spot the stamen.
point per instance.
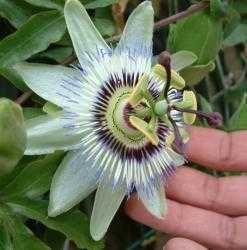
(188, 102)
(146, 128)
(176, 80)
(139, 91)
(213, 119)
(165, 73)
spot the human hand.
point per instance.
(202, 208)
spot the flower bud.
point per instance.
(12, 135)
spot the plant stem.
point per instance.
(24, 97)
(191, 10)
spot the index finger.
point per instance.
(201, 225)
(217, 149)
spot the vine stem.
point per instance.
(24, 97)
(171, 19)
(191, 10)
(157, 25)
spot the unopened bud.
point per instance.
(214, 119)
(12, 135)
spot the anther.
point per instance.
(164, 72)
(188, 102)
(139, 91)
(145, 128)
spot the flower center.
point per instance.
(117, 118)
(112, 126)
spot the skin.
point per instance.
(204, 212)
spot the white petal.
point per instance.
(107, 202)
(57, 84)
(136, 41)
(74, 180)
(88, 43)
(155, 201)
(175, 159)
(47, 133)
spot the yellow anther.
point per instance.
(176, 80)
(189, 97)
(145, 129)
(138, 92)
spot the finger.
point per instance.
(206, 227)
(225, 195)
(183, 244)
(217, 149)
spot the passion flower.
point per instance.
(122, 120)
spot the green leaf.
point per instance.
(218, 8)
(50, 4)
(17, 12)
(182, 59)
(35, 179)
(13, 135)
(75, 225)
(236, 92)
(240, 6)
(231, 21)
(194, 74)
(238, 35)
(200, 34)
(105, 26)
(57, 54)
(6, 179)
(205, 105)
(18, 236)
(11, 74)
(5, 243)
(239, 119)
(94, 4)
(34, 36)
(24, 242)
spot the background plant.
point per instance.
(34, 30)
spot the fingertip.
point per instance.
(129, 206)
(135, 209)
(183, 244)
